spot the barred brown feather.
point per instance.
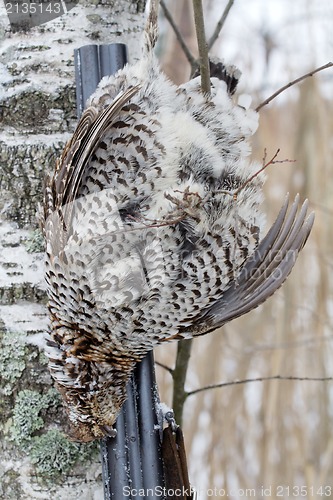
(145, 241)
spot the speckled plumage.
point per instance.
(145, 242)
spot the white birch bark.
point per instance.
(37, 116)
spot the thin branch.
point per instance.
(191, 59)
(202, 46)
(165, 367)
(179, 377)
(220, 24)
(266, 164)
(290, 84)
(258, 379)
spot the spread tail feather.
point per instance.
(265, 271)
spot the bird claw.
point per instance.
(170, 419)
(109, 431)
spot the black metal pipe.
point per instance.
(133, 458)
(92, 63)
(150, 423)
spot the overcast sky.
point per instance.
(298, 33)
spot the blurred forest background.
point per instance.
(275, 432)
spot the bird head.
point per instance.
(92, 415)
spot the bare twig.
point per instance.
(191, 59)
(266, 164)
(290, 84)
(165, 367)
(258, 379)
(202, 46)
(220, 24)
(151, 223)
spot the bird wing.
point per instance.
(61, 189)
(79, 149)
(264, 271)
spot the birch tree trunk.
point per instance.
(37, 116)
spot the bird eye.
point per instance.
(108, 431)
